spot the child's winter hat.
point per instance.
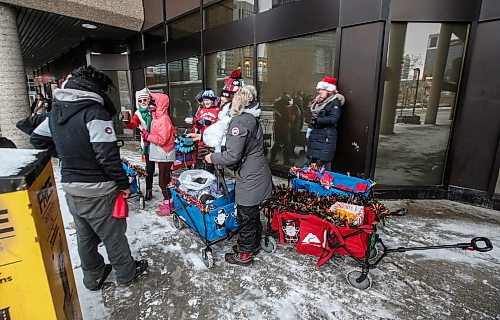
(232, 84)
(208, 94)
(328, 84)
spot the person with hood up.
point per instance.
(322, 132)
(142, 120)
(161, 147)
(92, 175)
(244, 153)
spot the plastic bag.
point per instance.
(196, 179)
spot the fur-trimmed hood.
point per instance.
(244, 99)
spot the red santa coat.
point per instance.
(211, 114)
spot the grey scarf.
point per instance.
(319, 104)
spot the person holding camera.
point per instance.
(322, 131)
(243, 152)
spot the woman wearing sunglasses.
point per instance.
(142, 120)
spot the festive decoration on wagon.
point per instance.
(190, 200)
(287, 199)
(139, 170)
(327, 180)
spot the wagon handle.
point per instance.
(487, 244)
(472, 246)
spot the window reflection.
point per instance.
(424, 63)
(154, 37)
(184, 26)
(265, 5)
(156, 77)
(174, 8)
(219, 66)
(185, 83)
(120, 95)
(288, 71)
(227, 11)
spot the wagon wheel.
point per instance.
(270, 247)
(373, 254)
(207, 257)
(358, 280)
(177, 221)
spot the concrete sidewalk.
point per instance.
(433, 284)
(438, 284)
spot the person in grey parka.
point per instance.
(244, 153)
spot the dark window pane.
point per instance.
(219, 66)
(156, 77)
(175, 8)
(154, 37)
(120, 95)
(425, 61)
(184, 26)
(288, 71)
(227, 11)
(185, 83)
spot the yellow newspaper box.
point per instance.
(36, 277)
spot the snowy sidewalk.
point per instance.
(435, 284)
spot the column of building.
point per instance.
(14, 103)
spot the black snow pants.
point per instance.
(249, 236)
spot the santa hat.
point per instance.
(208, 94)
(328, 84)
(232, 84)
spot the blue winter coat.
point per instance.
(322, 140)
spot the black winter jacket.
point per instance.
(82, 131)
(322, 141)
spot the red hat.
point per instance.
(328, 84)
(232, 84)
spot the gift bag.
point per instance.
(313, 236)
(121, 207)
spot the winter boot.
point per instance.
(149, 194)
(244, 259)
(140, 267)
(100, 282)
(164, 208)
(255, 252)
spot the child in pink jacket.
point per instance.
(161, 147)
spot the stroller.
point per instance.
(213, 221)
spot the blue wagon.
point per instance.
(214, 223)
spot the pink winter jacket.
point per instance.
(162, 131)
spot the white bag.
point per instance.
(187, 179)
